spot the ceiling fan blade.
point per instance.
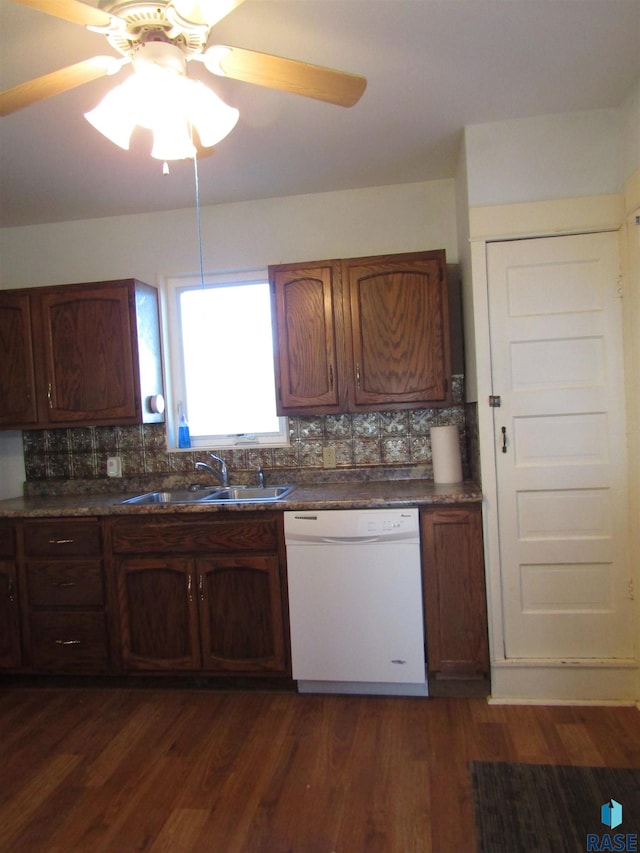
(205, 12)
(289, 75)
(70, 10)
(56, 82)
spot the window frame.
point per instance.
(173, 286)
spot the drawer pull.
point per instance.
(12, 590)
(63, 584)
(60, 541)
(68, 642)
(201, 587)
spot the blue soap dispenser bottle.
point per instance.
(184, 437)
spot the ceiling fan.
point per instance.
(158, 39)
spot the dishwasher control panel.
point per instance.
(352, 525)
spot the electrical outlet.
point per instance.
(329, 457)
(114, 466)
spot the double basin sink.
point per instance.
(228, 494)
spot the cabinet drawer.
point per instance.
(69, 642)
(195, 536)
(59, 538)
(63, 582)
(7, 542)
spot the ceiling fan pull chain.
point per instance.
(195, 169)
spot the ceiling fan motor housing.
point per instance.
(135, 23)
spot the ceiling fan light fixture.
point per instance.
(168, 103)
(113, 118)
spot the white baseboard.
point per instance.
(558, 682)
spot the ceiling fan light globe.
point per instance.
(172, 141)
(211, 117)
(113, 117)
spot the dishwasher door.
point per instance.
(355, 601)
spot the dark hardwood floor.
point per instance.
(123, 770)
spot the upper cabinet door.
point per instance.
(399, 329)
(306, 299)
(17, 383)
(88, 347)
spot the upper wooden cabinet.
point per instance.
(17, 374)
(309, 337)
(79, 355)
(362, 334)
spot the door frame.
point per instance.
(534, 680)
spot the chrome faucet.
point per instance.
(260, 477)
(221, 473)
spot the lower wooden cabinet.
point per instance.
(454, 592)
(10, 642)
(203, 594)
(65, 603)
(210, 599)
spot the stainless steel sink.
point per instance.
(230, 494)
(249, 493)
(177, 496)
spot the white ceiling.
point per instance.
(433, 66)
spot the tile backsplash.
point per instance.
(366, 440)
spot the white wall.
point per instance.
(631, 132)
(377, 220)
(547, 157)
(408, 217)
(11, 465)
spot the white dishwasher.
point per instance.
(355, 601)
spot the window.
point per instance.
(221, 360)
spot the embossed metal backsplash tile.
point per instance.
(366, 439)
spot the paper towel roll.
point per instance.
(445, 451)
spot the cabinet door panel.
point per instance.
(17, 377)
(241, 614)
(307, 360)
(454, 592)
(400, 330)
(159, 622)
(88, 353)
(10, 647)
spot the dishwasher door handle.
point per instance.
(348, 540)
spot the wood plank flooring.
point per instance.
(122, 770)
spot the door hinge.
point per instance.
(495, 401)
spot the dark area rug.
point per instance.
(549, 809)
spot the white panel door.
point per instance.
(557, 364)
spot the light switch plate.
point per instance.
(114, 466)
(329, 457)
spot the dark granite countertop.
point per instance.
(374, 494)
